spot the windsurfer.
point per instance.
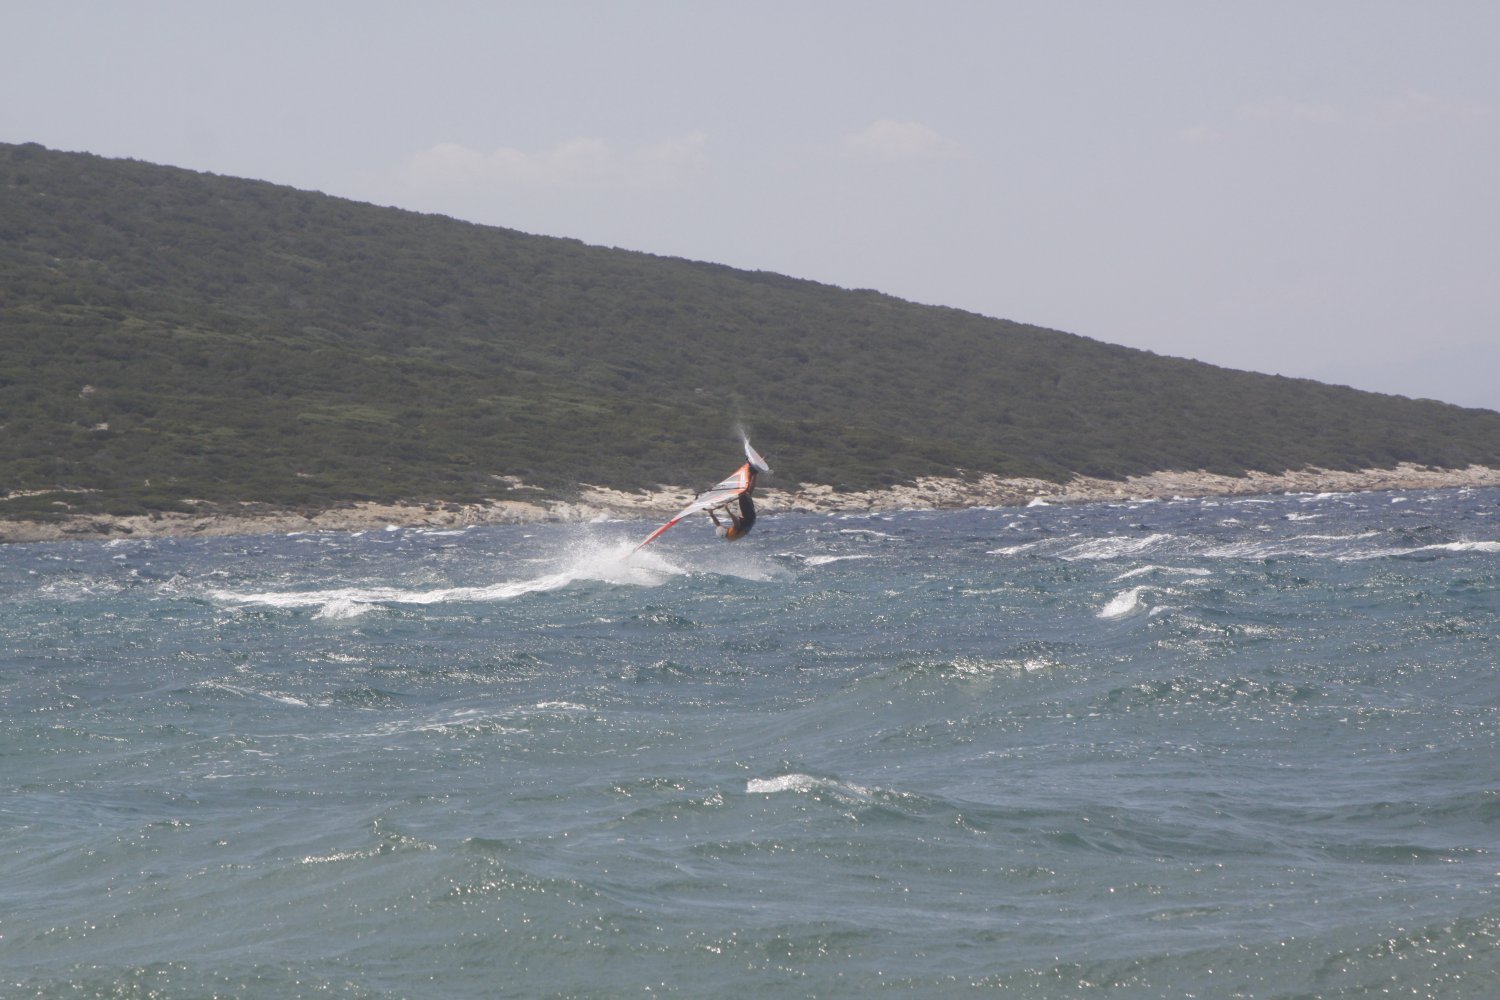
(730, 493)
(739, 524)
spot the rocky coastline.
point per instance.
(600, 503)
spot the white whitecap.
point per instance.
(1011, 550)
(784, 783)
(1131, 574)
(559, 706)
(804, 783)
(343, 607)
(285, 699)
(1493, 547)
(825, 560)
(1297, 546)
(615, 565)
(1113, 547)
(1128, 602)
(970, 667)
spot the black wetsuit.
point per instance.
(746, 520)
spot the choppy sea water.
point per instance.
(1207, 748)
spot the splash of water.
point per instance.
(586, 561)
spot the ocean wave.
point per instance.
(967, 666)
(350, 602)
(826, 560)
(1209, 691)
(1012, 550)
(1114, 547)
(674, 807)
(803, 784)
(869, 806)
(1311, 546)
(615, 565)
(1428, 551)
(933, 674)
(977, 666)
(1128, 602)
(1131, 574)
(247, 692)
(387, 841)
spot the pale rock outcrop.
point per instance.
(602, 503)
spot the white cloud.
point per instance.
(1409, 109)
(897, 140)
(1200, 134)
(1265, 114)
(1288, 111)
(583, 162)
(1415, 106)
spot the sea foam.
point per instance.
(1113, 547)
(1125, 602)
(615, 565)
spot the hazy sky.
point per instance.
(1308, 188)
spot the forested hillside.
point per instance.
(168, 335)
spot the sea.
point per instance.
(1217, 748)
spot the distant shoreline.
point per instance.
(594, 503)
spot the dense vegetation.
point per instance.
(168, 335)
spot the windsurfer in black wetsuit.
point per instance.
(739, 524)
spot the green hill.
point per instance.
(168, 335)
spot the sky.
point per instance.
(1300, 187)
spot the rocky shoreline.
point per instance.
(600, 503)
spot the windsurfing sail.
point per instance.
(722, 494)
(753, 457)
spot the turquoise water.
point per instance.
(1207, 748)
